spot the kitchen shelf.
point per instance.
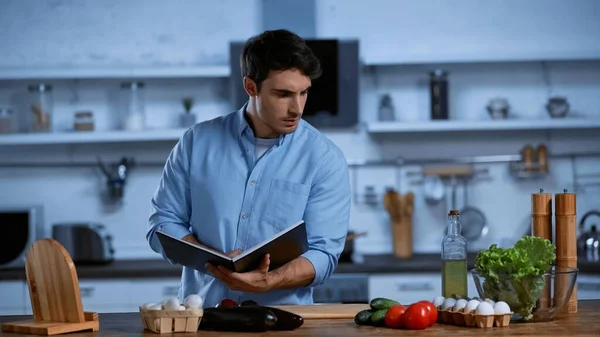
(382, 60)
(113, 72)
(91, 137)
(489, 125)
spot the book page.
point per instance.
(206, 249)
(257, 246)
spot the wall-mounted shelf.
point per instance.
(113, 72)
(475, 126)
(436, 58)
(91, 137)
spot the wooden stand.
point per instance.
(54, 292)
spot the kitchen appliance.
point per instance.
(346, 256)
(588, 242)
(87, 243)
(25, 225)
(333, 98)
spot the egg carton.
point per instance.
(168, 321)
(470, 319)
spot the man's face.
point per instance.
(280, 102)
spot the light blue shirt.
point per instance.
(214, 186)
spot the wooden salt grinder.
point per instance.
(54, 292)
(566, 246)
(541, 226)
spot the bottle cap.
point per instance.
(453, 212)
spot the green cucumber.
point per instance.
(378, 317)
(382, 303)
(363, 317)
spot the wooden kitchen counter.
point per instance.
(585, 323)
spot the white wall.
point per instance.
(190, 33)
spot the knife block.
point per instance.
(54, 292)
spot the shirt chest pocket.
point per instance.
(286, 203)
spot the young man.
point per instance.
(236, 180)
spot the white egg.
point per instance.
(485, 309)
(501, 307)
(448, 303)
(460, 304)
(148, 305)
(171, 303)
(157, 306)
(182, 307)
(438, 301)
(193, 301)
(490, 301)
(471, 305)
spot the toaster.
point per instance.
(87, 243)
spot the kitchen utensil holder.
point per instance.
(49, 266)
(167, 321)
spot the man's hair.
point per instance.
(277, 50)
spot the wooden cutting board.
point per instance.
(323, 311)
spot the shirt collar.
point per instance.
(242, 125)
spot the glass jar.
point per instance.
(438, 91)
(84, 121)
(132, 106)
(6, 121)
(40, 106)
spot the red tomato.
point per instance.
(394, 316)
(227, 303)
(432, 310)
(416, 316)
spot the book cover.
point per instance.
(282, 248)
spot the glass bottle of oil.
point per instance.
(454, 259)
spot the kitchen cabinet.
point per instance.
(588, 287)
(153, 290)
(408, 288)
(465, 31)
(100, 296)
(405, 288)
(13, 297)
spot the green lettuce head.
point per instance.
(516, 275)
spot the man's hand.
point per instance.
(257, 281)
(191, 239)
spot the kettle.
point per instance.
(588, 243)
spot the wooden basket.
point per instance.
(166, 321)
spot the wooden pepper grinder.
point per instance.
(541, 226)
(542, 158)
(566, 246)
(528, 158)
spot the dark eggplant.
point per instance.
(240, 319)
(248, 302)
(286, 320)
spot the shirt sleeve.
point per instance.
(170, 203)
(327, 216)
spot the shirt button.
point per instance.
(244, 216)
(251, 182)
